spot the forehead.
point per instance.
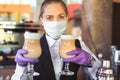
(53, 9)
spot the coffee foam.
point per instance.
(67, 37)
(31, 35)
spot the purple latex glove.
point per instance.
(23, 61)
(82, 57)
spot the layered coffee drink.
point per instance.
(32, 45)
(67, 44)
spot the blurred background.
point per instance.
(96, 22)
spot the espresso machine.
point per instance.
(10, 42)
(12, 39)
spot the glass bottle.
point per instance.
(109, 74)
(113, 49)
(101, 75)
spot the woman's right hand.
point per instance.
(23, 61)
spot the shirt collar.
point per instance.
(50, 41)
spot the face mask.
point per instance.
(55, 28)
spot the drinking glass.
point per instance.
(67, 44)
(32, 45)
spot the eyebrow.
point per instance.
(59, 14)
(62, 14)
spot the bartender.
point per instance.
(54, 16)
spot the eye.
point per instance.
(49, 18)
(62, 17)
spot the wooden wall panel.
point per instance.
(116, 25)
(97, 25)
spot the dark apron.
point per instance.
(45, 65)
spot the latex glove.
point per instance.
(23, 61)
(81, 57)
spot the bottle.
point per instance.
(113, 49)
(109, 74)
(101, 73)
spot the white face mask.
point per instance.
(55, 28)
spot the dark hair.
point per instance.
(47, 2)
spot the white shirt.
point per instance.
(54, 52)
(57, 61)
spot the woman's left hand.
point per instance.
(81, 57)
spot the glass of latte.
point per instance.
(32, 45)
(67, 44)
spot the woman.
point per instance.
(53, 14)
